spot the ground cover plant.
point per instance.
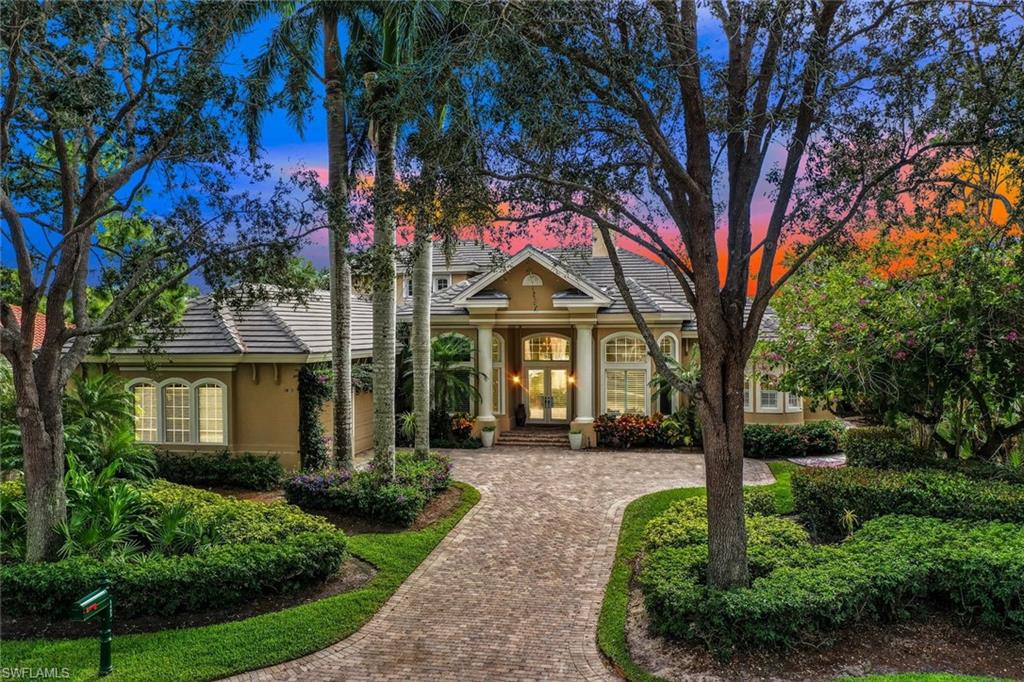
(369, 493)
(216, 651)
(254, 472)
(169, 548)
(825, 497)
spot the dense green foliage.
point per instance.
(884, 448)
(824, 497)
(777, 441)
(315, 389)
(202, 550)
(217, 651)
(255, 472)
(802, 592)
(369, 493)
(938, 344)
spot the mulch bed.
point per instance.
(934, 643)
(353, 574)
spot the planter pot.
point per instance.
(487, 437)
(575, 441)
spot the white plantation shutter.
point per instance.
(210, 400)
(146, 424)
(616, 391)
(636, 383)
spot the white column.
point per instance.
(584, 373)
(484, 364)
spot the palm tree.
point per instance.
(452, 372)
(290, 53)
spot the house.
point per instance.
(561, 344)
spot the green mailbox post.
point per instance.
(99, 603)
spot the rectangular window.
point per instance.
(625, 391)
(440, 283)
(144, 397)
(210, 399)
(408, 286)
(497, 383)
(177, 414)
(794, 403)
(748, 396)
(769, 401)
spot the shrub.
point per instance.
(802, 592)
(882, 448)
(259, 549)
(767, 441)
(685, 523)
(368, 494)
(823, 496)
(462, 426)
(253, 472)
(628, 430)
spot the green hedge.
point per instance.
(368, 494)
(824, 496)
(779, 441)
(802, 593)
(260, 549)
(255, 472)
(883, 448)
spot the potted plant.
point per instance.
(575, 439)
(487, 435)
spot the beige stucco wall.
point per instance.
(263, 407)
(362, 420)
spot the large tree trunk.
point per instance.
(384, 196)
(721, 413)
(340, 275)
(42, 442)
(421, 290)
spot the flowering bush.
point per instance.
(369, 494)
(462, 426)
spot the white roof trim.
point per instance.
(532, 252)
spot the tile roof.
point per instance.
(38, 325)
(467, 256)
(267, 327)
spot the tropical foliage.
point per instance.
(939, 345)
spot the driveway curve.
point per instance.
(513, 592)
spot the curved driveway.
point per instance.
(513, 592)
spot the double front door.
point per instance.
(548, 394)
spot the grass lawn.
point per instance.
(611, 624)
(217, 650)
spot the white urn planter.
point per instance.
(576, 440)
(487, 437)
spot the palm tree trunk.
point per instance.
(341, 275)
(421, 290)
(384, 201)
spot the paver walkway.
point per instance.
(513, 592)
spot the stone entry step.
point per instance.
(544, 436)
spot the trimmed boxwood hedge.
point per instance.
(802, 593)
(779, 441)
(262, 549)
(883, 448)
(254, 472)
(823, 496)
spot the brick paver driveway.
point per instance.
(514, 591)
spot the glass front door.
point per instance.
(548, 394)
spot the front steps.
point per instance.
(535, 436)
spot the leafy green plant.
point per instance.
(254, 472)
(105, 515)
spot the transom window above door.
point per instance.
(546, 349)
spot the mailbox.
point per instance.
(99, 603)
(91, 605)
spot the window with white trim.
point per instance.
(626, 374)
(794, 403)
(498, 374)
(768, 399)
(667, 398)
(144, 397)
(546, 349)
(441, 283)
(748, 395)
(408, 286)
(177, 408)
(210, 409)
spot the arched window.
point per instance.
(177, 402)
(625, 374)
(532, 280)
(668, 399)
(498, 372)
(211, 412)
(146, 413)
(546, 349)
